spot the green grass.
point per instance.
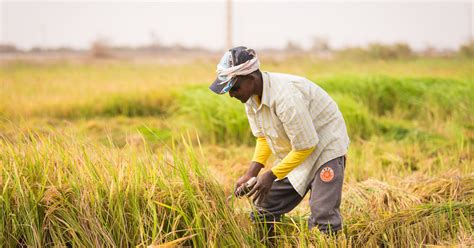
(376, 106)
(127, 154)
(427, 99)
(131, 105)
(217, 117)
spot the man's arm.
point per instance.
(260, 157)
(291, 161)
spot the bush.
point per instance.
(467, 49)
(395, 51)
(378, 51)
(8, 48)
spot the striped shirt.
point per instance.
(296, 114)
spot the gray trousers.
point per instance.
(325, 198)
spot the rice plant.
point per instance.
(119, 154)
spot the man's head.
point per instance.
(246, 86)
(238, 73)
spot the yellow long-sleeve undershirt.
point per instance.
(291, 161)
(262, 151)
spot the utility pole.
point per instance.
(229, 25)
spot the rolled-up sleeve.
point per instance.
(297, 122)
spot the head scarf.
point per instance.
(245, 68)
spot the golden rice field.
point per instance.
(115, 153)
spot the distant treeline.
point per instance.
(319, 48)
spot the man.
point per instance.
(301, 125)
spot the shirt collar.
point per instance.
(265, 93)
(266, 89)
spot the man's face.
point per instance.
(242, 89)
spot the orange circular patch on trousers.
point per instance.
(326, 175)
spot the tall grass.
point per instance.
(88, 159)
(57, 191)
(427, 99)
(389, 212)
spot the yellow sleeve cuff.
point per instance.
(262, 151)
(291, 161)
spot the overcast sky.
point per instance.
(261, 24)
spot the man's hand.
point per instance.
(253, 171)
(263, 185)
(243, 179)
